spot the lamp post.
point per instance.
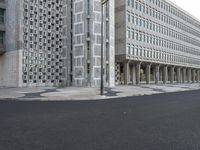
(103, 2)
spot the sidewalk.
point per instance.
(76, 93)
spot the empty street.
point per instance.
(158, 122)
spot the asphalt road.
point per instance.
(158, 122)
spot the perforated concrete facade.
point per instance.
(42, 42)
(33, 43)
(57, 42)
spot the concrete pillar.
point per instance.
(157, 74)
(126, 72)
(178, 75)
(133, 75)
(138, 66)
(184, 75)
(193, 76)
(148, 73)
(189, 75)
(172, 75)
(153, 73)
(181, 76)
(161, 73)
(165, 74)
(198, 78)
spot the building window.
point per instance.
(1, 37)
(2, 16)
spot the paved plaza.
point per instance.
(75, 93)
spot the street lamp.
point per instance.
(103, 2)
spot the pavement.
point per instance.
(78, 93)
(168, 121)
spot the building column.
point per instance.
(178, 75)
(138, 66)
(157, 74)
(165, 74)
(198, 78)
(161, 74)
(189, 75)
(126, 73)
(148, 73)
(184, 75)
(133, 74)
(193, 76)
(153, 74)
(172, 75)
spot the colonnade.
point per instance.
(152, 73)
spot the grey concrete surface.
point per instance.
(167, 121)
(75, 93)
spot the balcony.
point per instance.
(2, 49)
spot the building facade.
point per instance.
(156, 42)
(58, 43)
(2, 26)
(33, 43)
(83, 43)
(55, 43)
(2, 34)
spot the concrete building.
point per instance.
(58, 43)
(156, 42)
(31, 35)
(83, 43)
(55, 42)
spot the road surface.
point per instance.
(158, 122)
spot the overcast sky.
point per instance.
(191, 6)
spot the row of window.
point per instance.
(164, 6)
(43, 25)
(147, 53)
(45, 81)
(54, 4)
(165, 18)
(42, 69)
(32, 38)
(43, 12)
(151, 25)
(2, 11)
(42, 63)
(159, 41)
(42, 46)
(42, 40)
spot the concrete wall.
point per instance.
(112, 47)
(120, 27)
(11, 61)
(85, 49)
(11, 69)
(12, 20)
(66, 42)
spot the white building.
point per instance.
(156, 42)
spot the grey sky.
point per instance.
(191, 6)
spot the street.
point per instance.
(158, 122)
